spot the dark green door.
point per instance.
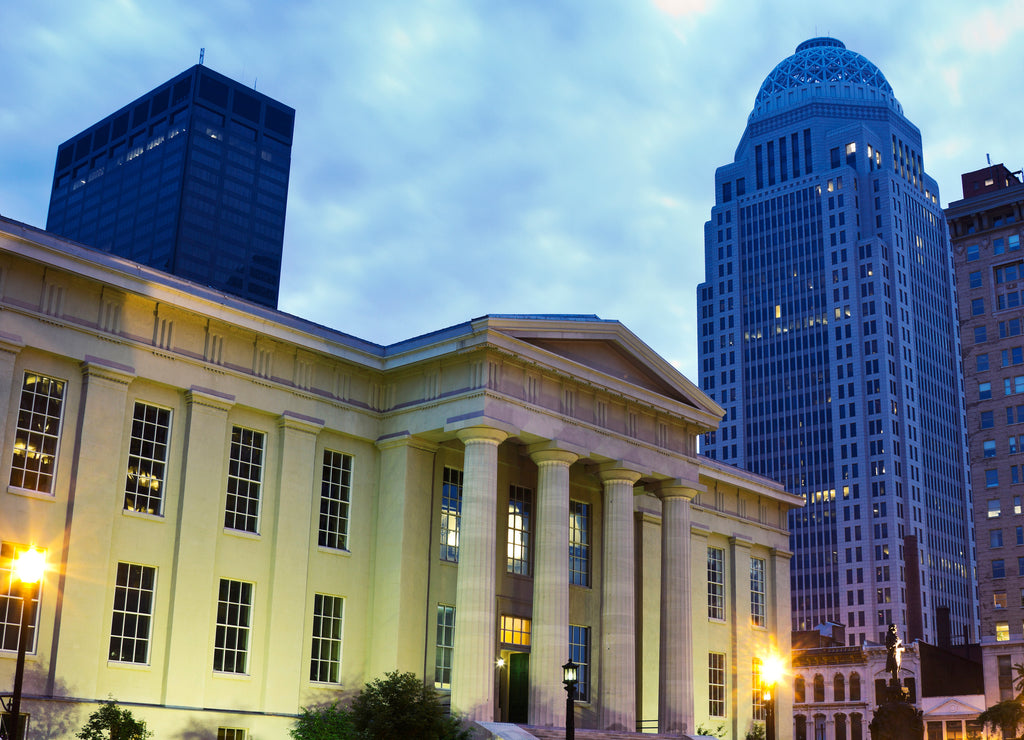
(519, 687)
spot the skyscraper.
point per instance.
(986, 230)
(191, 178)
(828, 334)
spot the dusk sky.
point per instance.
(453, 159)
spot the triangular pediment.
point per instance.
(609, 350)
(954, 706)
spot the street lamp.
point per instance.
(27, 571)
(570, 679)
(771, 672)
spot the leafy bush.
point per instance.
(328, 722)
(110, 722)
(400, 705)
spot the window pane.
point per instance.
(147, 459)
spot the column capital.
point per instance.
(290, 421)
(101, 369)
(678, 488)
(196, 396)
(618, 471)
(405, 439)
(552, 452)
(738, 540)
(485, 434)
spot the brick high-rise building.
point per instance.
(986, 230)
(191, 178)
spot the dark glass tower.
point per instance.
(829, 336)
(191, 178)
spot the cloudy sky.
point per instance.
(454, 158)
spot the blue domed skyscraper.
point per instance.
(828, 335)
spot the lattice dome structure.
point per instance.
(816, 63)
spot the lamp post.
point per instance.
(570, 679)
(27, 571)
(771, 672)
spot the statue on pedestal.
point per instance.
(894, 659)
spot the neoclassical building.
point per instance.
(245, 513)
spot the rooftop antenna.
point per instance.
(989, 158)
(202, 54)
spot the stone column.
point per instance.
(475, 606)
(675, 688)
(617, 686)
(550, 639)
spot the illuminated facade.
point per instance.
(828, 334)
(191, 178)
(246, 513)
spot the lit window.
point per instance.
(245, 476)
(716, 583)
(1016, 504)
(716, 684)
(757, 593)
(10, 602)
(37, 433)
(579, 543)
(757, 691)
(999, 600)
(579, 653)
(515, 630)
(234, 620)
(520, 524)
(993, 508)
(230, 733)
(1002, 631)
(451, 513)
(147, 459)
(325, 657)
(335, 496)
(444, 648)
(133, 613)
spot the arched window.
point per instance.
(855, 687)
(856, 732)
(800, 731)
(819, 688)
(839, 688)
(840, 721)
(799, 691)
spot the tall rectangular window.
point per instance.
(10, 602)
(444, 647)
(579, 543)
(716, 583)
(335, 495)
(325, 656)
(234, 620)
(245, 477)
(451, 514)
(133, 613)
(37, 434)
(579, 653)
(147, 459)
(757, 688)
(716, 684)
(758, 602)
(520, 526)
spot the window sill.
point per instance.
(334, 551)
(241, 533)
(232, 676)
(142, 515)
(29, 493)
(124, 664)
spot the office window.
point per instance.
(980, 334)
(325, 657)
(520, 529)
(515, 630)
(133, 612)
(995, 538)
(444, 646)
(984, 391)
(991, 478)
(999, 568)
(579, 652)
(994, 508)
(975, 279)
(757, 689)
(147, 459)
(335, 496)
(987, 420)
(758, 601)
(245, 476)
(716, 583)
(579, 543)
(999, 600)
(1002, 631)
(973, 252)
(981, 362)
(451, 513)
(37, 433)
(716, 684)
(989, 448)
(230, 733)
(10, 602)
(234, 620)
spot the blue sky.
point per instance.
(457, 158)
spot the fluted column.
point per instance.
(617, 687)
(475, 608)
(675, 688)
(550, 639)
